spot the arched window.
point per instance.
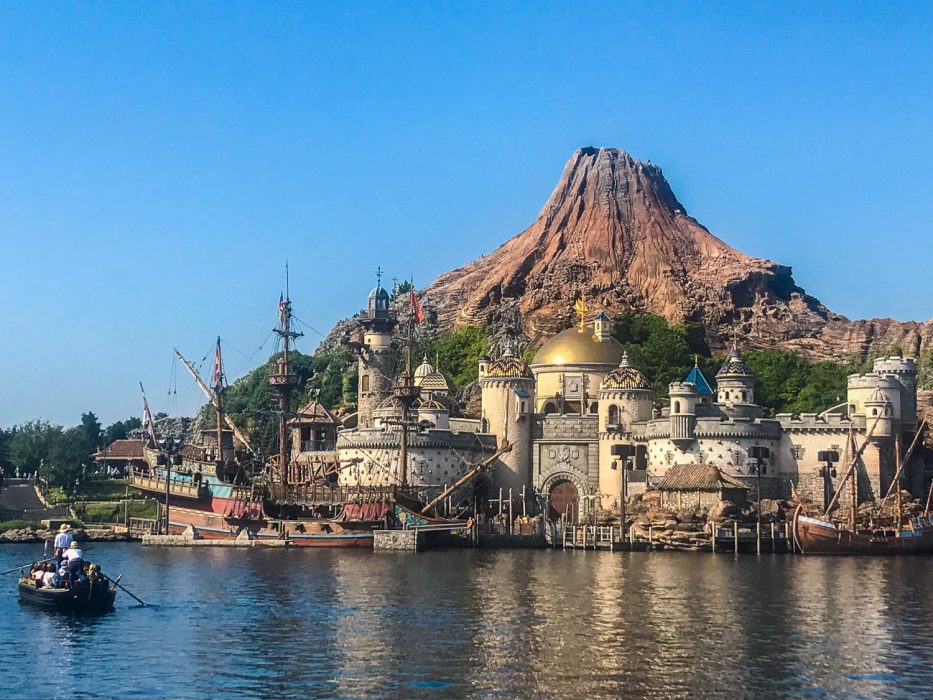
(594, 407)
(887, 410)
(613, 415)
(874, 411)
(364, 383)
(727, 396)
(549, 407)
(484, 426)
(743, 396)
(677, 405)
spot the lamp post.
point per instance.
(759, 454)
(624, 453)
(828, 472)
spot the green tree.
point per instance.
(332, 377)
(32, 444)
(663, 352)
(90, 426)
(457, 352)
(120, 429)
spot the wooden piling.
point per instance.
(714, 538)
(735, 535)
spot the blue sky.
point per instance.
(161, 160)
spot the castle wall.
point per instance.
(567, 448)
(435, 457)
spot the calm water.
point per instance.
(302, 624)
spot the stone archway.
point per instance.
(565, 494)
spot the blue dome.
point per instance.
(379, 293)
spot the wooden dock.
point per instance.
(732, 537)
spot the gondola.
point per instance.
(88, 597)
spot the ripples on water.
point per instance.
(302, 624)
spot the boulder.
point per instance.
(724, 510)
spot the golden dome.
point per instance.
(576, 346)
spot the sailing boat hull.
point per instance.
(301, 533)
(814, 536)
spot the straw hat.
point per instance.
(73, 545)
(64, 528)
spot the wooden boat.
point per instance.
(90, 596)
(817, 536)
(820, 536)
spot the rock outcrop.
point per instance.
(614, 231)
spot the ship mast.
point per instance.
(213, 399)
(218, 380)
(282, 380)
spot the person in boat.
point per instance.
(36, 574)
(50, 578)
(73, 561)
(63, 540)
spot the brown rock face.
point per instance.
(614, 231)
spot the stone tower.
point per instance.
(378, 355)
(508, 395)
(735, 383)
(624, 398)
(904, 370)
(683, 415)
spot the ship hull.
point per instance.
(301, 533)
(814, 536)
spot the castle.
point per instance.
(585, 426)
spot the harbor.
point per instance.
(481, 621)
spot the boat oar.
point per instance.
(23, 566)
(130, 593)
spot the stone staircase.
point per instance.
(19, 501)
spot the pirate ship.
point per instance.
(224, 488)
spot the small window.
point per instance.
(874, 411)
(677, 407)
(364, 382)
(727, 396)
(613, 415)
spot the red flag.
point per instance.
(416, 309)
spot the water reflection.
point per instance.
(464, 623)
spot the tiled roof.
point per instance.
(699, 381)
(313, 412)
(509, 366)
(698, 477)
(734, 365)
(123, 449)
(625, 377)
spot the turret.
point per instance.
(378, 356)
(879, 412)
(904, 370)
(735, 383)
(683, 413)
(602, 327)
(484, 365)
(508, 395)
(624, 398)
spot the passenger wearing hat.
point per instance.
(63, 540)
(73, 560)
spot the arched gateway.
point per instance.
(563, 500)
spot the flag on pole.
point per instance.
(218, 373)
(148, 423)
(416, 309)
(283, 310)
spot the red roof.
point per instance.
(122, 449)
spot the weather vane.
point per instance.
(580, 308)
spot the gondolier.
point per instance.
(63, 541)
